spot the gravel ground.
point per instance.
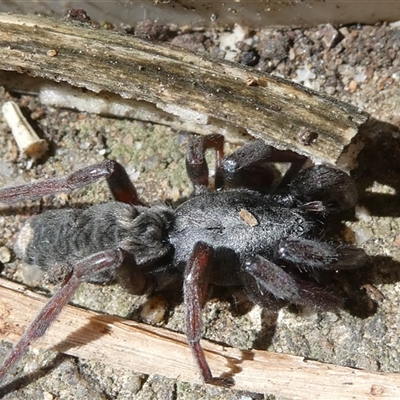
(358, 64)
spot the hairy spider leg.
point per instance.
(248, 166)
(264, 278)
(324, 185)
(139, 281)
(195, 291)
(196, 164)
(308, 254)
(83, 270)
(118, 181)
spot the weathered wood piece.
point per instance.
(150, 350)
(194, 88)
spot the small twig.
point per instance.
(142, 348)
(27, 140)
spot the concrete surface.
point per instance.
(360, 66)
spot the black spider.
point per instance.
(240, 237)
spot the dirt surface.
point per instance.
(358, 64)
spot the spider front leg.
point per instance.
(83, 270)
(249, 166)
(309, 254)
(196, 164)
(196, 284)
(118, 181)
(331, 187)
(263, 278)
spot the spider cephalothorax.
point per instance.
(244, 236)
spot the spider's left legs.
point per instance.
(83, 270)
(196, 284)
(118, 181)
(246, 167)
(249, 166)
(196, 164)
(325, 187)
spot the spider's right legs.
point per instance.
(118, 181)
(195, 290)
(263, 278)
(309, 254)
(83, 270)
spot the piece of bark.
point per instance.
(195, 88)
(63, 95)
(142, 348)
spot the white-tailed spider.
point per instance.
(237, 235)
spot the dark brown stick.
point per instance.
(197, 89)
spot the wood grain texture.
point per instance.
(150, 350)
(194, 88)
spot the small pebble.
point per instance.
(153, 310)
(5, 255)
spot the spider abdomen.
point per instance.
(61, 236)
